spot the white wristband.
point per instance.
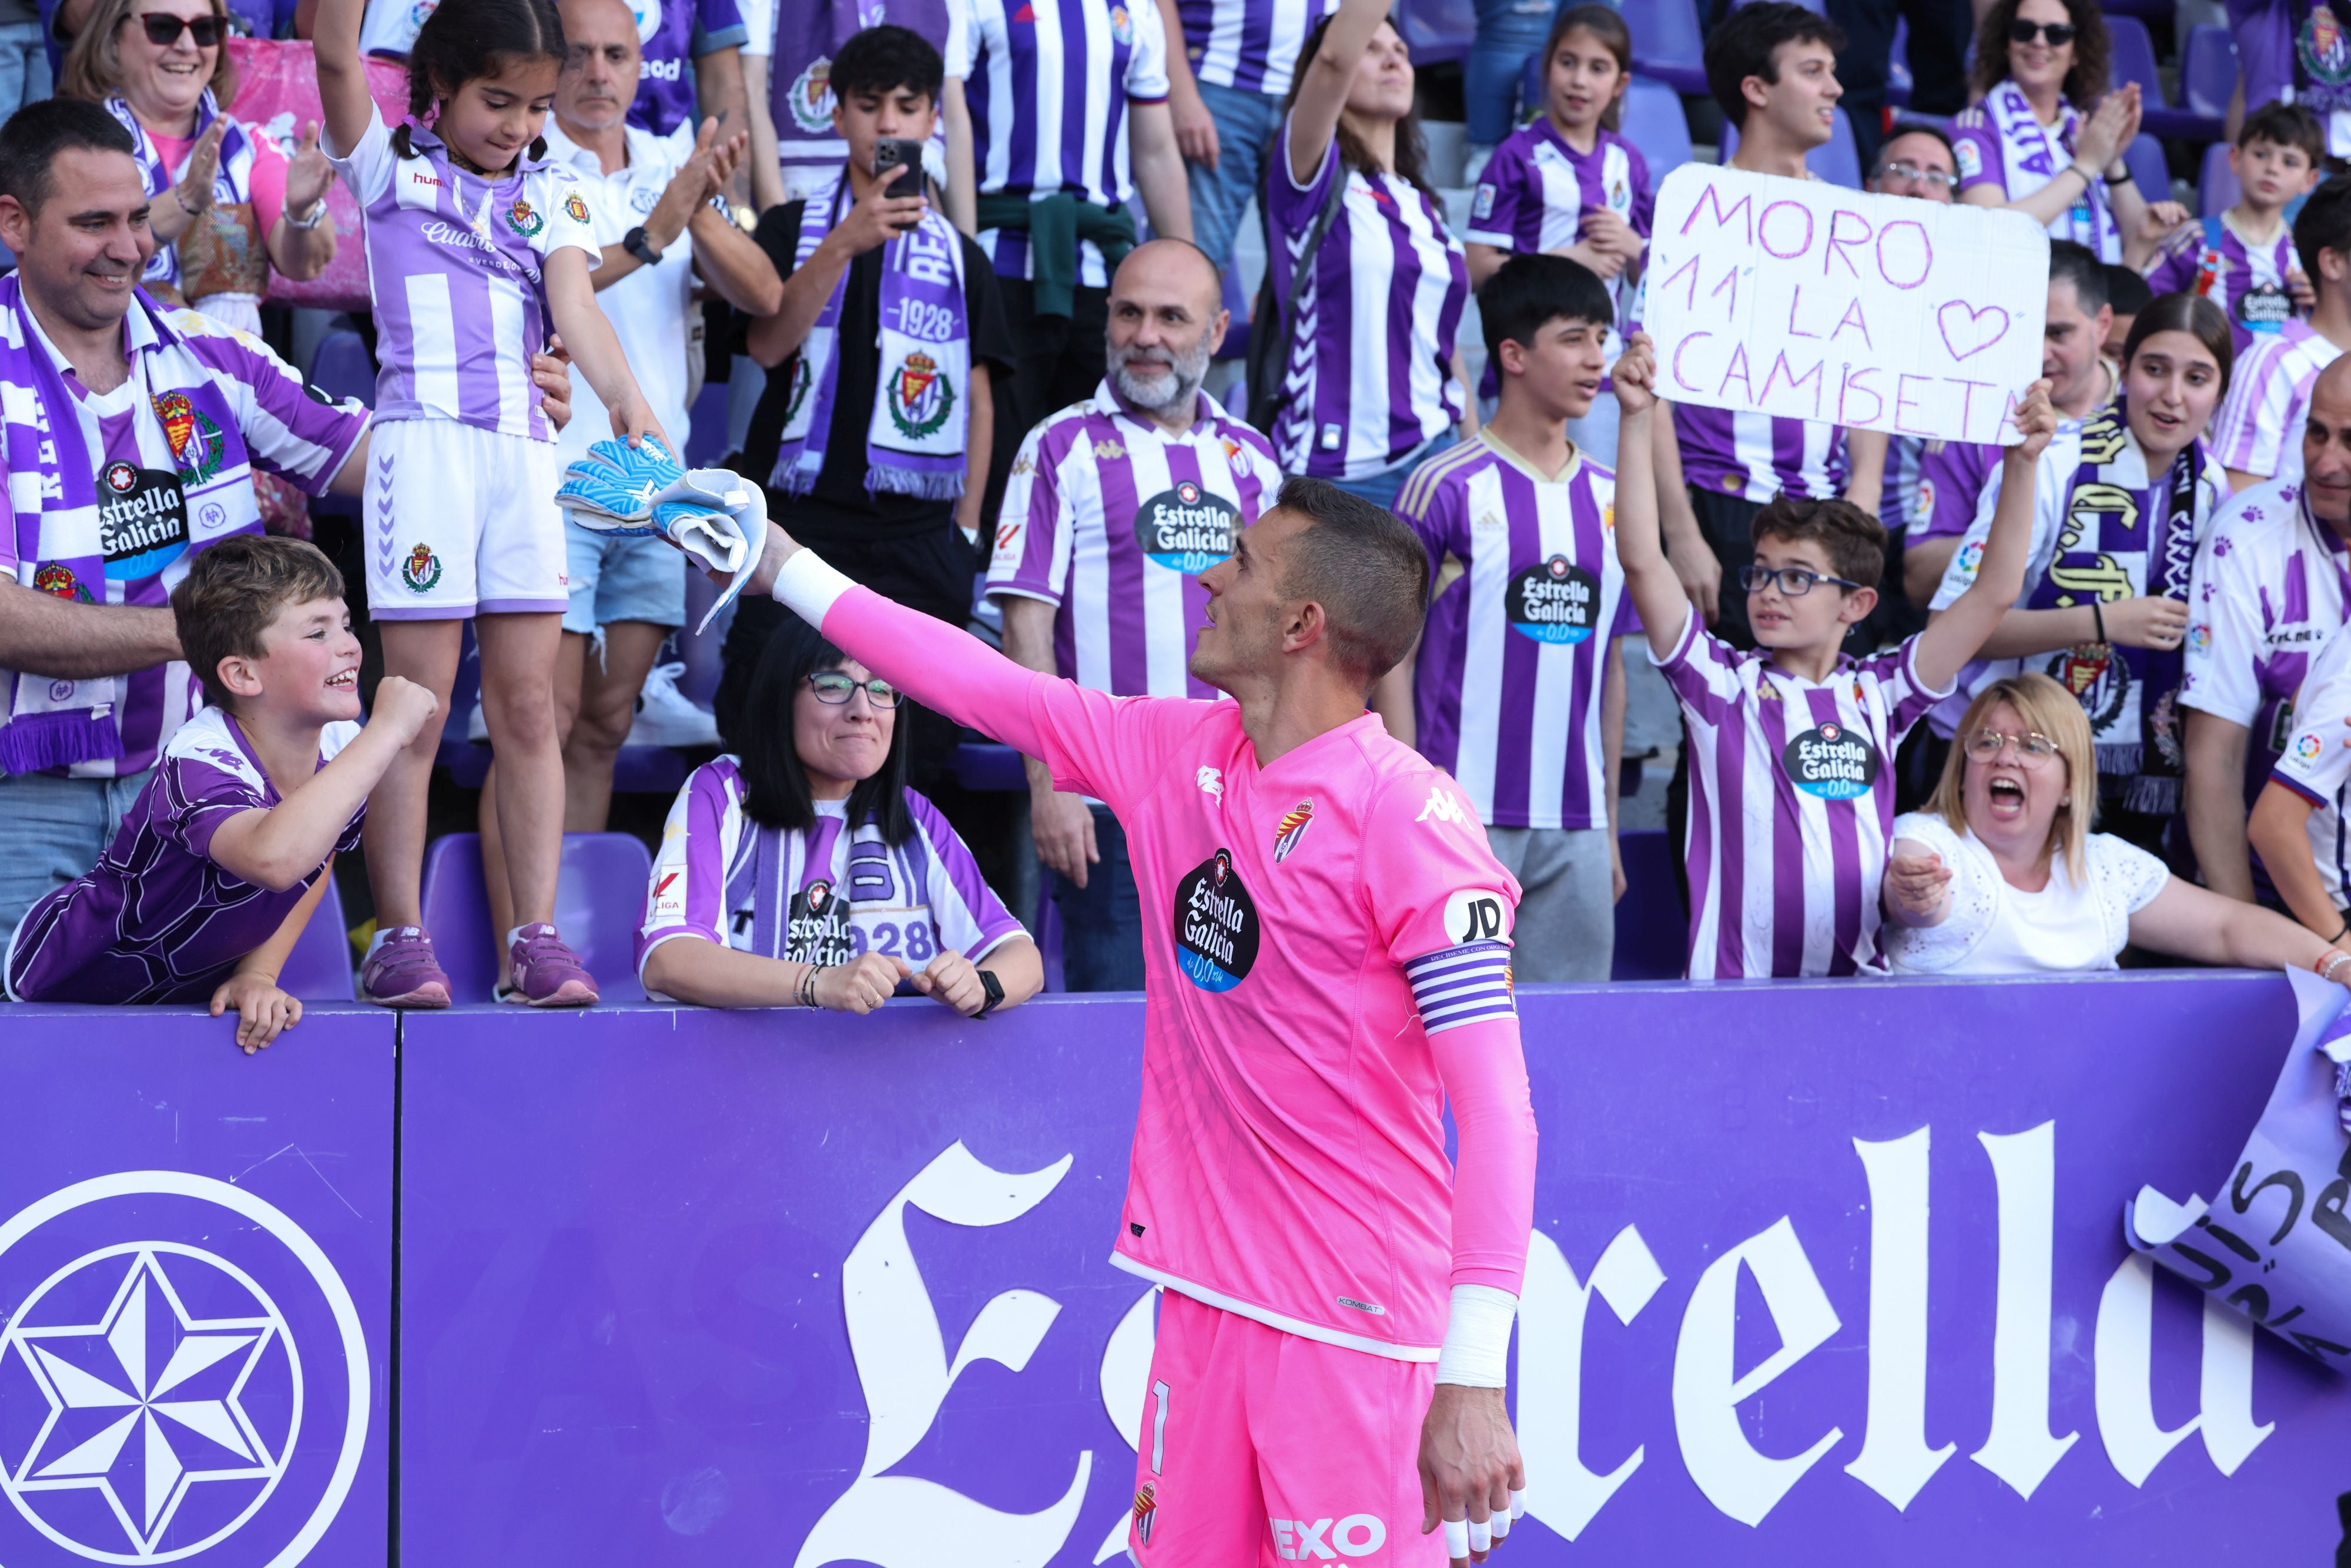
(807, 587)
(1477, 1352)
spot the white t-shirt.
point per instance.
(1992, 928)
(651, 309)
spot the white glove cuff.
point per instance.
(1477, 1352)
(807, 587)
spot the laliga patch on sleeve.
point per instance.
(1970, 157)
(1477, 914)
(1483, 205)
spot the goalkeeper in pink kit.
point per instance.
(1326, 944)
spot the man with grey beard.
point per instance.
(1114, 508)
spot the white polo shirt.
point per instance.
(648, 309)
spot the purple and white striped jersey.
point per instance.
(799, 61)
(1759, 456)
(1113, 519)
(2316, 764)
(1530, 600)
(1049, 87)
(1251, 45)
(156, 920)
(165, 489)
(823, 895)
(453, 266)
(1370, 377)
(673, 33)
(1790, 805)
(1536, 188)
(1951, 479)
(1897, 503)
(2258, 429)
(2272, 586)
(2245, 278)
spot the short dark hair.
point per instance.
(2193, 314)
(2070, 262)
(1855, 540)
(1919, 128)
(774, 781)
(2083, 84)
(1366, 568)
(2126, 291)
(1527, 291)
(2324, 223)
(234, 590)
(36, 133)
(1747, 42)
(884, 59)
(2287, 125)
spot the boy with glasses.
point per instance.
(1791, 745)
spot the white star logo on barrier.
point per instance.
(144, 1403)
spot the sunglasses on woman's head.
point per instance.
(164, 29)
(2058, 34)
(836, 689)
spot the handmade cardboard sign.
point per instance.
(1805, 300)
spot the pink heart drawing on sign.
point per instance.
(1961, 322)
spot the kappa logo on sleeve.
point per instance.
(1211, 782)
(1443, 806)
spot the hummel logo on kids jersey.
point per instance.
(1212, 782)
(1442, 806)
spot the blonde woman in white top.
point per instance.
(2002, 876)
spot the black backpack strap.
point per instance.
(1268, 359)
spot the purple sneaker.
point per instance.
(546, 973)
(401, 973)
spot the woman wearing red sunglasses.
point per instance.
(229, 204)
(2046, 139)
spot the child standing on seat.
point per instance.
(477, 252)
(1569, 184)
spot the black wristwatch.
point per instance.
(995, 989)
(635, 243)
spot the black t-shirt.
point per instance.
(838, 506)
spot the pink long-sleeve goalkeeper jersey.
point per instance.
(1324, 947)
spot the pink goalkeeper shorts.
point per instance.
(1261, 1447)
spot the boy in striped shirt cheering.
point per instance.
(1792, 783)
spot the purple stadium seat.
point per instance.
(1652, 937)
(1838, 159)
(2131, 57)
(340, 367)
(2144, 157)
(1898, 82)
(1653, 121)
(705, 441)
(2216, 188)
(319, 967)
(1437, 30)
(2207, 71)
(1669, 43)
(982, 765)
(598, 903)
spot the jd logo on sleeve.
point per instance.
(1185, 529)
(143, 520)
(1216, 925)
(1831, 762)
(1554, 603)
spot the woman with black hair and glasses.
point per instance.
(803, 872)
(2046, 138)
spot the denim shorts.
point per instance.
(630, 578)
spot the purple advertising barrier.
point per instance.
(195, 1290)
(1819, 1267)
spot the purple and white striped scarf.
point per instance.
(915, 443)
(2028, 149)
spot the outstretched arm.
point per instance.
(1656, 591)
(1314, 117)
(571, 302)
(1956, 635)
(342, 75)
(2191, 922)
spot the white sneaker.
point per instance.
(666, 717)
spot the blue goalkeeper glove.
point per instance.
(612, 489)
